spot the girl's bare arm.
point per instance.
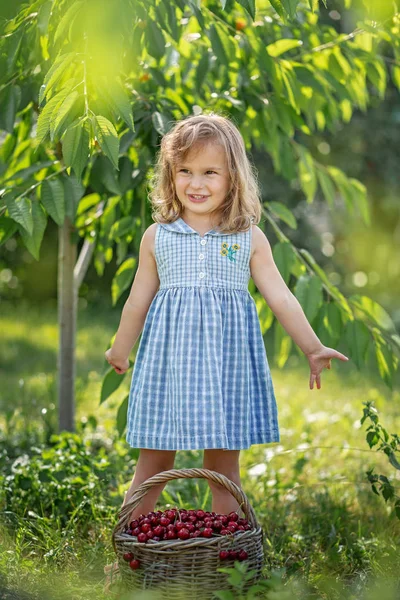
(143, 290)
(278, 296)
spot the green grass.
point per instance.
(323, 524)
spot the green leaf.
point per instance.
(88, 202)
(75, 146)
(393, 461)
(9, 102)
(283, 213)
(308, 179)
(290, 7)
(122, 415)
(122, 279)
(33, 241)
(55, 73)
(384, 360)
(121, 104)
(155, 41)
(376, 73)
(20, 210)
(7, 229)
(110, 383)
(358, 338)
(221, 45)
(249, 6)
(160, 123)
(282, 345)
(373, 310)
(65, 23)
(396, 76)
(327, 187)
(107, 138)
(43, 123)
(329, 325)
(284, 258)
(278, 6)
(308, 291)
(61, 114)
(122, 227)
(358, 192)
(282, 45)
(52, 197)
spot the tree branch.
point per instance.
(82, 264)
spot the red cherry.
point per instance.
(232, 526)
(170, 514)
(134, 524)
(128, 556)
(207, 532)
(179, 525)
(136, 531)
(196, 533)
(217, 524)
(190, 527)
(233, 516)
(142, 537)
(134, 564)
(233, 554)
(225, 531)
(243, 555)
(192, 519)
(150, 535)
(159, 530)
(164, 521)
(183, 534)
(224, 554)
(145, 527)
(200, 514)
(171, 535)
(146, 520)
(199, 524)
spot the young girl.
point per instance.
(201, 378)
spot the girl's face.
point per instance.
(203, 173)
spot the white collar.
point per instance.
(180, 226)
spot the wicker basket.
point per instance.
(186, 568)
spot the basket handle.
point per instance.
(166, 476)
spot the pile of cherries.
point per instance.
(185, 524)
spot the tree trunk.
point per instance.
(67, 310)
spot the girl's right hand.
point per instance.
(120, 365)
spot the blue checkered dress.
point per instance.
(201, 378)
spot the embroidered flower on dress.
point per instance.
(229, 252)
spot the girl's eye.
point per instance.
(185, 170)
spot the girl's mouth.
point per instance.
(197, 198)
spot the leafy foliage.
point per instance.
(377, 434)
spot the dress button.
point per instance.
(203, 242)
(201, 256)
(201, 275)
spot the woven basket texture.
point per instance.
(186, 568)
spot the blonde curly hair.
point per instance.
(242, 205)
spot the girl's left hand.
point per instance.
(319, 360)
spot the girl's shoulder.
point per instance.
(258, 238)
(149, 238)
